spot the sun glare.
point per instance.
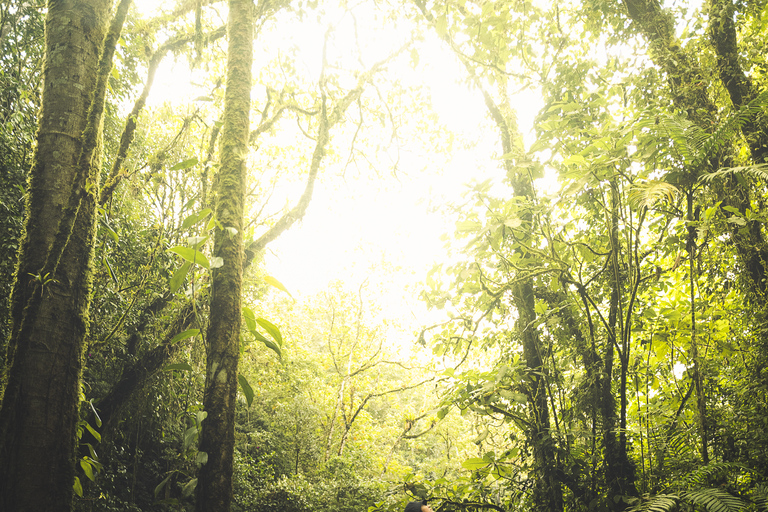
(390, 224)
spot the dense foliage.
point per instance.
(596, 333)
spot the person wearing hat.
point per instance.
(418, 506)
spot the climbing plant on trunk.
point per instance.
(217, 437)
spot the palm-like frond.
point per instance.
(658, 503)
(648, 193)
(759, 171)
(704, 475)
(760, 497)
(695, 145)
(714, 500)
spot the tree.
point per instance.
(53, 280)
(217, 438)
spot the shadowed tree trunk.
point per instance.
(217, 438)
(53, 282)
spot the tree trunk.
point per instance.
(620, 473)
(217, 437)
(50, 309)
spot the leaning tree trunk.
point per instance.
(217, 438)
(50, 299)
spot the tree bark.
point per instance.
(217, 437)
(50, 308)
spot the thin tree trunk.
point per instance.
(620, 473)
(52, 290)
(217, 438)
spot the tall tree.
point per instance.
(52, 289)
(217, 438)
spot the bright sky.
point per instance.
(377, 229)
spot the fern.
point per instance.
(760, 497)
(658, 503)
(705, 474)
(694, 145)
(648, 193)
(759, 171)
(714, 500)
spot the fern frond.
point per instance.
(648, 193)
(658, 503)
(760, 497)
(702, 476)
(759, 171)
(714, 500)
(727, 129)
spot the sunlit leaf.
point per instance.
(271, 329)
(185, 164)
(191, 255)
(87, 469)
(277, 284)
(474, 464)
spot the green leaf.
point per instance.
(191, 255)
(161, 485)
(250, 319)
(179, 275)
(474, 464)
(467, 225)
(272, 345)
(441, 25)
(189, 488)
(93, 432)
(95, 414)
(87, 469)
(247, 389)
(78, 487)
(184, 335)
(189, 437)
(194, 218)
(185, 164)
(201, 459)
(277, 284)
(271, 329)
(482, 437)
(110, 271)
(178, 366)
(217, 262)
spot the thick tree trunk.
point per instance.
(217, 438)
(690, 91)
(50, 312)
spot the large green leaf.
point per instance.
(474, 463)
(179, 275)
(184, 335)
(271, 329)
(247, 389)
(185, 164)
(191, 255)
(277, 284)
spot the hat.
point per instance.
(414, 506)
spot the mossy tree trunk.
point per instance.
(50, 298)
(217, 438)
